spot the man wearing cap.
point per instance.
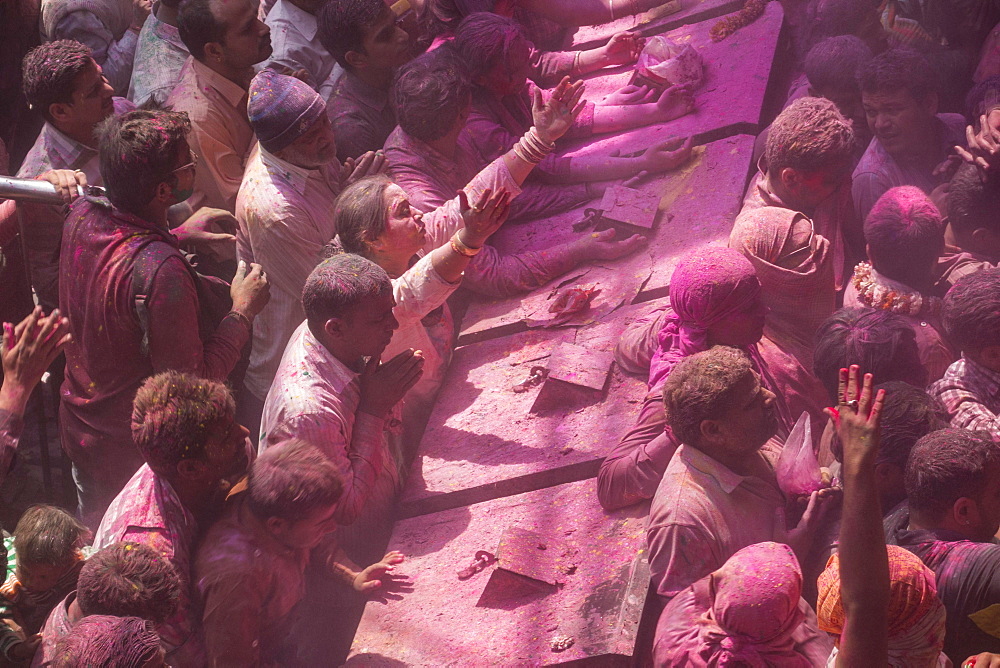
(285, 214)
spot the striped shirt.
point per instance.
(285, 213)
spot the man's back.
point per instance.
(702, 514)
(106, 360)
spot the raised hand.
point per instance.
(554, 118)
(983, 146)
(666, 156)
(27, 350)
(623, 48)
(249, 290)
(369, 164)
(383, 385)
(856, 417)
(673, 103)
(140, 11)
(485, 218)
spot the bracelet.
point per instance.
(531, 148)
(575, 70)
(242, 317)
(462, 249)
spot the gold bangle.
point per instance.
(462, 249)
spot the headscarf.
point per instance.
(750, 613)
(707, 286)
(103, 641)
(798, 299)
(916, 614)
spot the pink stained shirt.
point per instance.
(315, 397)
(248, 583)
(148, 511)
(43, 223)
(220, 132)
(361, 115)
(702, 514)
(111, 352)
(285, 215)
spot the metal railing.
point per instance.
(34, 190)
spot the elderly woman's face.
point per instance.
(405, 232)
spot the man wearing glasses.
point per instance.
(136, 307)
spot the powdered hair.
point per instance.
(808, 136)
(700, 387)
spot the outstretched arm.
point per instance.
(864, 563)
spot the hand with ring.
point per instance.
(856, 417)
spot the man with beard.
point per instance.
(719, 493)
(226, 39)
(285, 214)
(186, 429)
(899, 93)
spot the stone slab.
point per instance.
(483, 440)
(697, 207)
(660, 19)
(491, 620)
(731, 97)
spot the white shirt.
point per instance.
(285, 215)
(295, 43)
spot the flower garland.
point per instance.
(728, 25)
(875, 295)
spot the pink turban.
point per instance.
(750, 612)
(707, 286)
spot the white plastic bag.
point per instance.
(798, 470)
(667, 63)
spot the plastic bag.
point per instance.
(798, 470)
(666, 63)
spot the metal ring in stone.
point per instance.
(853, 404)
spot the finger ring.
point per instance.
(853, 404)
(476, 209)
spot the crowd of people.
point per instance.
(250, 323)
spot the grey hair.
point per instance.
(700, 388)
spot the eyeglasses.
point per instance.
(190, 165)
